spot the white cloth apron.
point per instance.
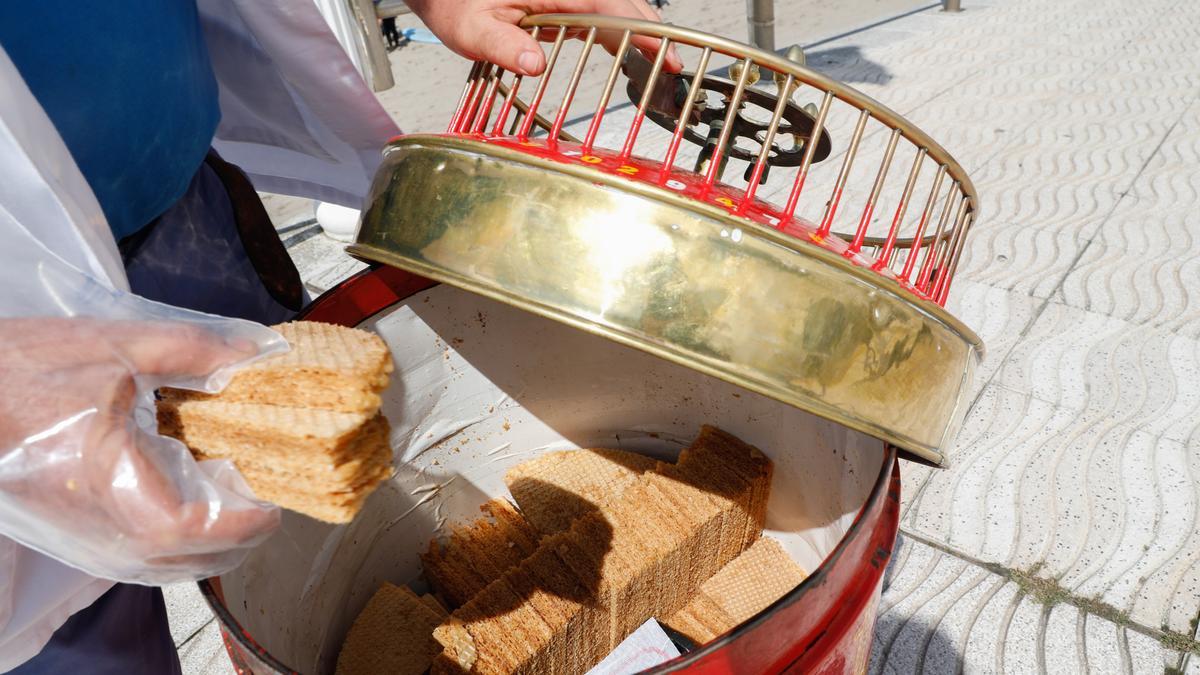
(295, 116)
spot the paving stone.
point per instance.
(1060, 181)
(1021, 637)
(985, 642)
(1146, 655)
(999, 316)
(186, 610)
(904, 630)
(1135, 287)
(943, 614)
(1025, 259)
(337, 270)
(957, 614)
(205, 653)
(976, 505)
(1108, 510)
(1063, 653)
(285, 210)
(1143, 267)
(323, 262)
(1109, 369)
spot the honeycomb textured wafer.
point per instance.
(593, 476)
(331, 507)
(478, 553)
(393, 634)
(328, 367)
(366, 454)
(303, 428)
(327, 475)
(642, 556)
(724, 453)
(432, 603)
(758, 577)
(220, 428)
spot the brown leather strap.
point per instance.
(266, 252)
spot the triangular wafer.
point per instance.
(328, 367)
(393, 634)
(593, 477)
(747, 585)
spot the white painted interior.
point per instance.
(480, 387)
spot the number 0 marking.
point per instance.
(726, 201)
(591, 159)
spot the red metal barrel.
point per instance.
(823, 626)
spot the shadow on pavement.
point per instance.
(847, 64)
(909, 643)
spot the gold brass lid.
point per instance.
(675, 278)
(677, 263)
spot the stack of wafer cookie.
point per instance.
(643, 538)
(598, 541)
(303, 427)
(744, 587)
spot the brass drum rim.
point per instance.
(799, 245)
(663, 348)
(909, 447)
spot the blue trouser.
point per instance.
(192, 256)
(125, 631)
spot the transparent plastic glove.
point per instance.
(82, 481)
(84, 476)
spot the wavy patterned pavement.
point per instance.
(1065, 536)
(943, 614)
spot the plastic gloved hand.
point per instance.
(84, 481)
(487, 29)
